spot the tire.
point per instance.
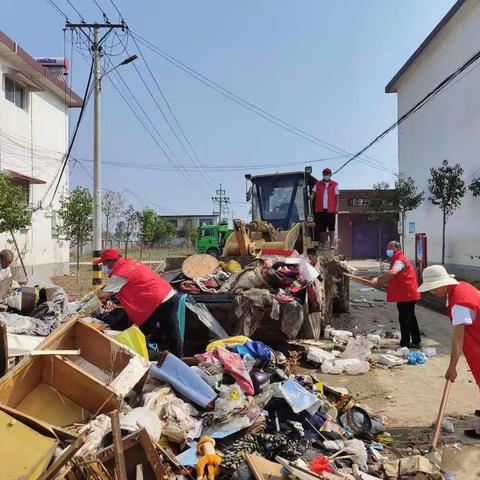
(214, 252)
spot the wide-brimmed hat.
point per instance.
(435, 277)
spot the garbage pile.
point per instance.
(90, 406)
(278, 287)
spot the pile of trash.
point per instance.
(235, 410)
(343, 352)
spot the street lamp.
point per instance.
(97, 157)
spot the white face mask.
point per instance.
(106, 270)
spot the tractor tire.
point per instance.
(214, 252)
(341, 302)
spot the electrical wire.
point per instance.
(420, 104)
(75, 8)
(249, 105)
(58, 9)
(196, 159)
(86, 97)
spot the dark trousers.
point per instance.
(167, 333)
(408, 324)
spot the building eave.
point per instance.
(391, 86)
(40, 74)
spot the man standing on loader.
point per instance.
(325, 201)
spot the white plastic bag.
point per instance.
(318, 355)
(307, 271)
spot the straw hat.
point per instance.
(435, 277)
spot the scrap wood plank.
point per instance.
(36, 353)
(264, 469)
(118, 446)
(64, 458)
(3, 349)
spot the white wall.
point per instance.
(447, 128)
(33, 141)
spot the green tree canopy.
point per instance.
(14, 211)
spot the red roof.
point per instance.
(21, 176)
(38, 73)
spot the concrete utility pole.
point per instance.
(221, 200)
(96, 46)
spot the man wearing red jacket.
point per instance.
(463, 309)
(149, 301)
(325, 194)
(402, 284)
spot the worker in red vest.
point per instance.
(149, 301)
(325, 194)
(402, 284)
(463, 309)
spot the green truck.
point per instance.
(211, 239)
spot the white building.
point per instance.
(34, 105)
(446, 128)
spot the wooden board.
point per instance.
(24, 453)
(264, 469)
(49, 405)
(138, 449)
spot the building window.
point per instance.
(205, 221)
(14, 93)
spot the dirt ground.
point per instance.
(408, 397)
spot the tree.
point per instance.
(131, 224)
(148, 219)
(113, 205)
(474, 187)
(120, 230)
(447, 189)
(14, 212)
(165, 230)
(407, 199)
(76, 214)
(382, 208)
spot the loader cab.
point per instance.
(280, 199)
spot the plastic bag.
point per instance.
(357, 450)
(133, 338)
(358, 348)
(351, 366)
(416, 358)
(307, 271)
(299, 398)
(318, 355)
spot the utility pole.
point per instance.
(222, 201)
(96, 47)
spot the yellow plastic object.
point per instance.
(209, 460)
(133, 338)
(232, 266)
(227, 341)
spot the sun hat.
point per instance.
(435, 277)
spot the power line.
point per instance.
(249, 105)
(420, 104)
(202, 171)
(58, 9)
(75, 8)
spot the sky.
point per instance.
(320, 65)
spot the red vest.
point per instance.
(402, 287)
(468, 296)
(143, 292)
(320, 190)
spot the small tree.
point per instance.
(382, 208)
(165, 230)
(148, 219)
(113, 205)
(447, 189)
(474, 187)
(407, 199)
(14, 212)
(76, 213)
(131, 224)
(120, 230)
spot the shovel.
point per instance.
(433, 455)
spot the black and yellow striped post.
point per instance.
(97, 272)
